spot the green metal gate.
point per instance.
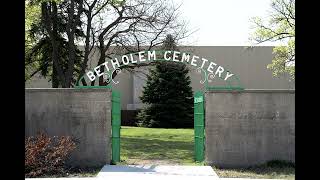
(199, 138)
(116, 124)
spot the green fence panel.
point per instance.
(199, 138)
(116, 124)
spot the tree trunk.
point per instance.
(49, 19)
(55, 80)
(87, 49)
(101, 60)
(55, 44)
(72, 52)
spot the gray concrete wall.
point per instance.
(249, 127)
(84, 114)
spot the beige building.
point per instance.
(249, 64)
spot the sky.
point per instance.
(222, 22)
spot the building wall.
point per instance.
(84, 114)
(249, 127)
(249, 64)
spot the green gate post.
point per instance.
(116, 124)
(199, 126)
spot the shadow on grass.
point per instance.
(155, 149)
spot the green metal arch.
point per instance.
(231, 84)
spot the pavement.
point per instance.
(152, 172)
(158, 172)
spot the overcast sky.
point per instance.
(222, 22)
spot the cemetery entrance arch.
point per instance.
(208, 70)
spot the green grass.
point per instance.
(269, 170)
(176, 146)
(169, 146)
(73, 172)
(84, 172)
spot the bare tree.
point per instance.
(114, 26)
(131, 26)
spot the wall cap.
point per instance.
(253, 91)
(68, 89)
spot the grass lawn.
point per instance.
(157, 145)
(85, 172)
(176, 146)
(264, 171)
(73, 172)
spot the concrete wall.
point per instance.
(84, 114)
(249, 127)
